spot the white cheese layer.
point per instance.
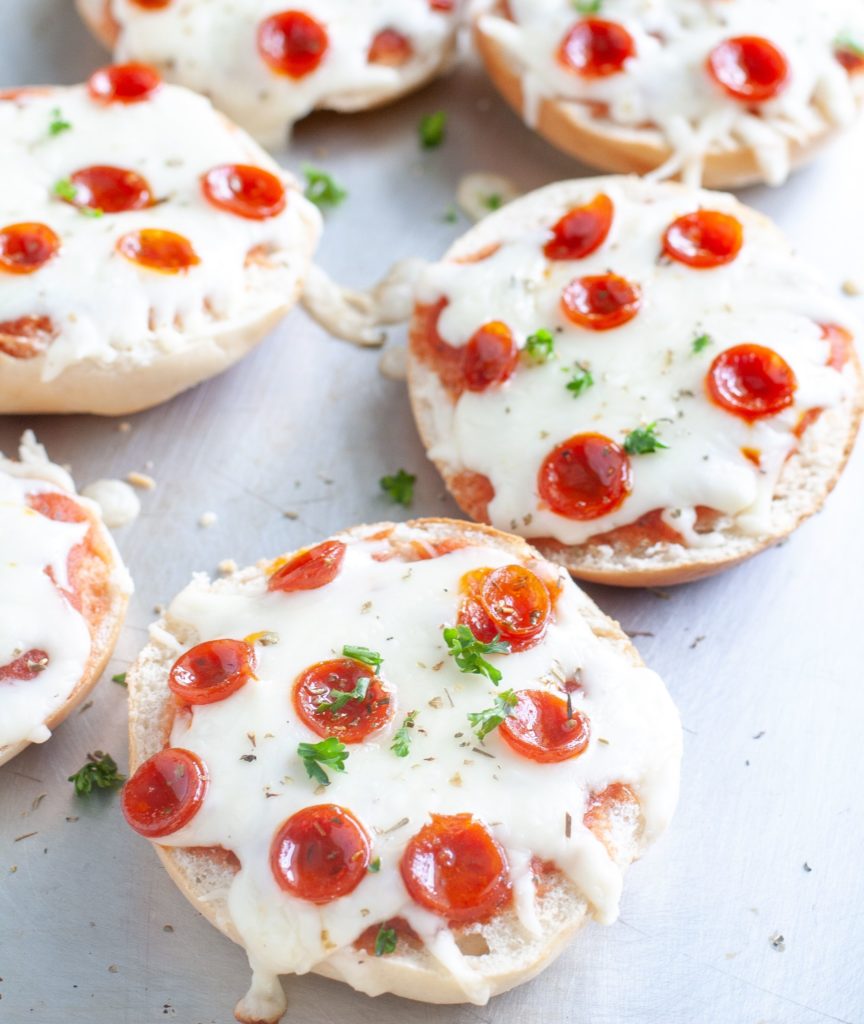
(399, 609)
(644, 371)
(105, 308)
(665, 88)
(211, 46)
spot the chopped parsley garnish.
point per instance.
(399, 487)
(374, 866)
(401, 745)
(643, 441)
(847, 43)
(432, 129)
(483, 722)
(493, 201)
(321, 189)
(363, 654)
(702, 341)
(450, 215)
(99, 772)
(588, 6)
(65, 189)
(467, 651)
(580, 380)
(540, 346)
(329, 753)
(120, 679)
(339, 698)
(58, 123)
(385, 941)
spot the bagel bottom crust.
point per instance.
(501, 951)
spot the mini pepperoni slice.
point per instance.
(310, 569)
(490, 357)
(391, 48)
(244, 190)
(595, 48)
(517, 601)
(454, 867)
(542, 728)
(320, 853)
(840, 341)
(601, 302)
(446, 6)
(850, 55)
(704, 239)
(110, 189)
(317, 700)
(27, 337)
(292, 43)
(616, 803)
(751, 381)
(124, 83)
(212, 671)
(26, 247)
(581, 230)
(152, 5)
(585, 477)
(26, 666)
(165, 793)
(163, 251)
(749, 68)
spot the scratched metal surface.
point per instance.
(763, 661)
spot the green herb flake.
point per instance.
(700, 342)
(467, 651)
(120, 679)
(385, 941)
(588, 6)
(399, 487)
(363, 654)
(450, 215)
(493, 201)
(401, 745)
(374, 866)
(580, 380)
(483, 722)
(329, 753)
(321, 188)
(99, 772)
(540, 346)
(432, 129)
(341, 697)
(643, 441)
(58, 123)
(65, 189)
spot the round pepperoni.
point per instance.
(124, 83)
(212, 671)
(751, 381)
(595, 48)
(454, 867)
(292, 43)
(26, 337)
(581, 230)
(391, 48)
(165, 793)
(490, 357)
(246, 191)
(311, 569)
(517, 601)
(749, 68)
(600, 302)
(850, 56)
(317, 701)
(585, 477)
(26, 666)
(704, 239)
(155, 249)
(540, 728)
(110, 189)
(320, 853)
(26, 247)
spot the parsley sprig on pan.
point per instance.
(99, 772)
(643, 441)
(399, 487)
(467, 651)
(483, 722)
(401, 745)
(321, 188)
(432, 129)
(329, 753)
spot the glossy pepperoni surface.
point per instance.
(111, 189)
(581, 230)
(585, 477)
(310, 569)
(292, 43)
(601, 302)
(124, 83)
(317, 702)
(751, 381)
(154, 249)
(212, 671)
(704, 239)
(490, 357)
(165, 793)
(26, 247)
(749, 68)
(25, 667)
(455, 868)
(320, 853)
(517, 601)
(391, 48)
(543, 729)
(595, 48)
(245, 191)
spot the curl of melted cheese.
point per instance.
(399, 609)
(666, 86)
(211, 46)
(104, 307)
(644, 371)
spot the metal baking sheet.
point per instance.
(764, 661)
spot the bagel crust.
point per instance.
(62, 600)
(653, 371)
(95, 328)
(213, 46)
(564, 866)
(662, 113)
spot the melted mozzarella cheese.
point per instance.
(644, 371)
(666, 86)
(105, 308)
(399, 609)
(211, 46)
